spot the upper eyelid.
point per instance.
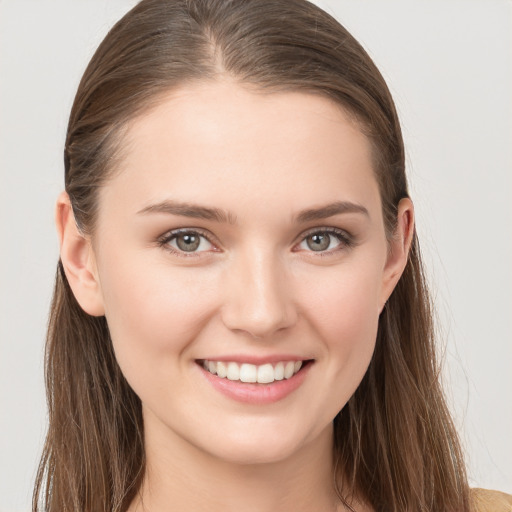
(174, 232)
(325, 229)
(209, 236)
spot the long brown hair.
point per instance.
(395, 444)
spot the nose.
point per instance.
(258, 296)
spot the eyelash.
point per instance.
(346, 240)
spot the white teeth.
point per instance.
(248, 373)
(263, 374)
(233, 372)
(288, 369)
(222, 370)
(279, 371)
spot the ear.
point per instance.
(77, 258)
(399, 247)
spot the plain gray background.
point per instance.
(449, 66)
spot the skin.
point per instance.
(257, 288)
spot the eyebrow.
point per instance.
(329, 210)
(172, 207)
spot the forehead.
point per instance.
(222, 141)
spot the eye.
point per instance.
(326, 240)
(186, 242)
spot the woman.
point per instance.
(240, 317)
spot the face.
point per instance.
(243, 233)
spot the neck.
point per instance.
(180, 476)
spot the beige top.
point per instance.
(491, 501)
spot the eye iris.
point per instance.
(318, 242)
(187, 242)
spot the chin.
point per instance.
(260, 447)
(251, 453)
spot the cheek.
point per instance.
(344, 305)
(153, 313)
(343, 311)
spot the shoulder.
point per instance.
(485, 500)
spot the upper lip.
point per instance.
(256, 360)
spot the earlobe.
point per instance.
(77, 259)
(399, 248)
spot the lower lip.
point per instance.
(258, 394)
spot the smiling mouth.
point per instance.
(251, 373)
